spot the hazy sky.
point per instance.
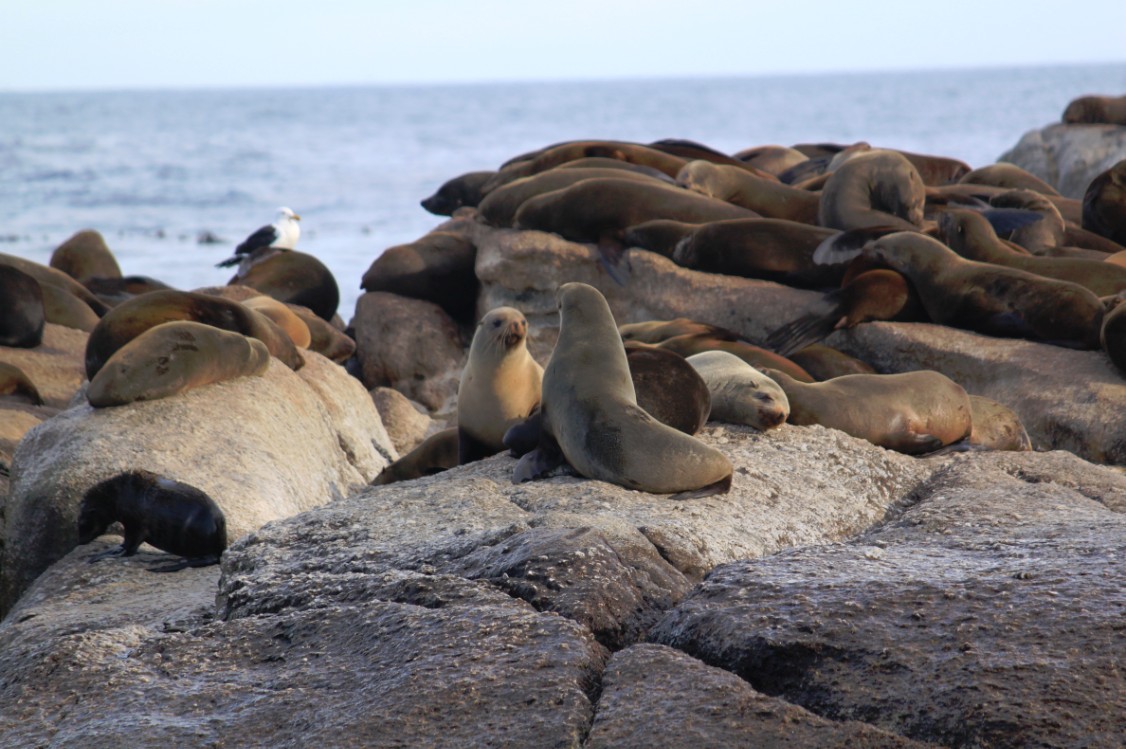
(90, 44)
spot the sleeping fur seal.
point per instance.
(740, 393)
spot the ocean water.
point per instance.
(155, 170)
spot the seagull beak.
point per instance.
(296, 217)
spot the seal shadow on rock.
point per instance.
(590, 416)
(170, 515)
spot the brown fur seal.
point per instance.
(46, 275)
(656, 331)
(282, 316)
(1112, 336)
(766, 248)
(824, 362)
(292, 277)
(174, 357)
(170, 515)
(877, 294)
(740, 394)
(129, 319)
(877, 188)
(500, 385)
(1008, 176)
(435, 454)
(911, 412)
(772, 159)
(757, 356)
(970, 235)
(1096, 110)
(114, 291)
(591, 418)
(659, 235)
(22, 313)
(996, 426)
(64, 308)
(988, 298)
(597, 209)
(690, 150)
(463, 190)
(437, 267)
(499, 207)
(84, 256)
(1104, 204)
(766, 197)
(668, 388)
(324, 338)
(15, 385)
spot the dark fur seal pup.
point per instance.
(437, 267)
(436, 453)
(170, 515)
(22, 312)
(1104, 204)
(463, 190)
(669, 388)
(590, 416)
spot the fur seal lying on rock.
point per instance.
(740, 393)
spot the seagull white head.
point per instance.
(287, 228)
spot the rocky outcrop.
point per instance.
(407, 424)
(1068, 157)
(264, 448)
(461, 608)
(988, 614)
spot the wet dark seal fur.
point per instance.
(170, 515)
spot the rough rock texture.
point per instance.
(1067, 399)
(406, 425)
(988, 614)
(1068, 157)
(410, 345)
(263, 447)
(655, 697)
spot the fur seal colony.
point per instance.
(882, 234)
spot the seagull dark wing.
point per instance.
(264, 237)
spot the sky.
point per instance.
(138, 44)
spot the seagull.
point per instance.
(280, 235)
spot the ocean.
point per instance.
(154, 171)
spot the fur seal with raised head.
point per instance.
(590, 416)
(988, 298)
(170, 515)
(463, 190)
(740, 393)
(174, 357)
(500, 385)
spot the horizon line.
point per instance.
(640, 78)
